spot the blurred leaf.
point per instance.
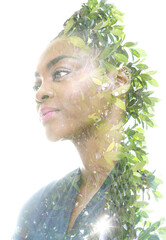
(111, 146)
(154, 237)
(151, 72)
(120, 104)
(137, 174)
(142, 66)
(141, 204)
(141, 52)
(95, 8)
(121, 57)
(69, 25)
(153, 82)
(153, 99)
(109, 67)
(118, 17)
(130, 44)
(118, 32)
(97, 81)
(162, 232)
(146, 77)
(93, 116)
(158, 194)
(144, 214)
(144, 234)
(139, 136)
(138, 166)
(77, 41)
(106, 52)
(135, 52)
(101, 25)
(121, 90)
(155, 226)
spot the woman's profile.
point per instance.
(89, 84)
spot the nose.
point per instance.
(43, 93)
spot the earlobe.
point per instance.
(122, 80)
(124, 75)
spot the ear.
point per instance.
(120, 81)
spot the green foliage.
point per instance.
(99, 26)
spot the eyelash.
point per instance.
(54, 75)
(36, 87)
(59, 71)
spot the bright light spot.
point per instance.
(103, 225)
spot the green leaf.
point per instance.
(111, 146)
(108, 66)
(141, 204)
(146, 77)
(118, 32)
(69, 25)
(93, 116)
(139, 136)
(121, 90)
(141, 52)
(95, 8)
(118, 126)
(140, 130)
(158, 194)
(132, 102)
(144, 234)
(119, 17)
(106, 52)
(97, 81)
(153, 82)
(120, 104)
(144, 214)
(154, 237)
(77, 41)
(109, 50)
(154, 99)
(142, 66)
(135, 52)
(155, 226)
(138, 166)
(101, 24)
(151, 72)
(137, 174)
(130, 44)
(162, 231)
(121, 57)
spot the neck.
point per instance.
(98, 149)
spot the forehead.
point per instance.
(61, 47)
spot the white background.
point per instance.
(28, 159)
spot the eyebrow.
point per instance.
(53, 62)
(56, 60)
(37, 74)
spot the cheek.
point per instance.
(83, 96)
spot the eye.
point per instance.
(59, 74)
(36, 87)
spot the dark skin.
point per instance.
(65, 75)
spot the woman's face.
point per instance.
(67, 98)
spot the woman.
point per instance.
(81, 93)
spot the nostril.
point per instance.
(45, 97)
(37, 101)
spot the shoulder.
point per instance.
(50, 194)
(41, 205)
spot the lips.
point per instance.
(46, 113)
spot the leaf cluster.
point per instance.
(99, 25)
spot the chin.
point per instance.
(54, 135)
